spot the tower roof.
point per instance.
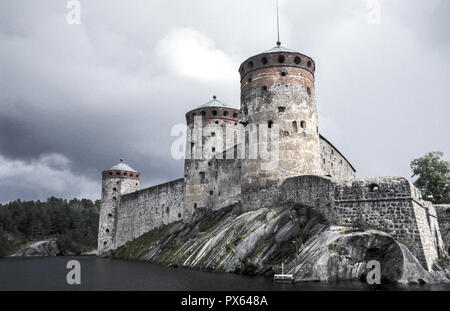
(121, 166)
(214, 103)
(279, 48)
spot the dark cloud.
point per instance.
(76, 98)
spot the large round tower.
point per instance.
(212, 129)
(277, 92)
(117, 181)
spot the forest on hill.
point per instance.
(72, 224)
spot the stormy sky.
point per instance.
(74, 98)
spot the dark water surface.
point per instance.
(49, 273)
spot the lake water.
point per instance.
(49, 273)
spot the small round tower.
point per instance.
(277, 91)
(212, 129)
(117, 181)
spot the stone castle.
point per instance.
(277, 97)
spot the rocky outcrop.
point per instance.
(339, 254)
(41, 248)
(257, 242)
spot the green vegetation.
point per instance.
(433, 177)
(73, 224)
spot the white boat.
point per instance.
(283, 278)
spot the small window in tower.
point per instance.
(214, 112)
(124, 174)
(136, 184)
(281, 59)
(213, 149)
(107, 230)
(114, 198)
(235, 115)
(264, 88)
(340, 162)
(117, 182)
(308, 90)
(109, 215)
(137, 176)
(118, 173)
(110, 173)
(131, 175)
(104, 243)
(281, 109)
(213, 134)
(324, 161)
(283, 73)
(217, 122)
(114, 189)
(303, 124)
(297, 60)
(203, 113)
(249, 79)
(264, 60)
(250, 64)
(195, 205)
(211, 192)
(332, 151)
(167, 210)
(225, 113)
(202, 177)
(179, 215)
(374, 188)
(294, 126)
(209, 163)
(309, 63)
(269, 124)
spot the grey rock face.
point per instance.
(41, 248)
(258, 241)
(338, 254)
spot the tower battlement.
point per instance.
(213, 112)
(277, 57)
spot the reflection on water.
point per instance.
(49, 273)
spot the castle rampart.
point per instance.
(142, 211)
(333, 163)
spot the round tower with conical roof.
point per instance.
(116, 182)
(277, 91)
(212, 129)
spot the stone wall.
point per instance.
(334, 164)
(144, 210)
(226, 182)
(205, 140)
(391, 204)
(443, 214)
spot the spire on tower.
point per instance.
(278, 27)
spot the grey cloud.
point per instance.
(99, 91)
